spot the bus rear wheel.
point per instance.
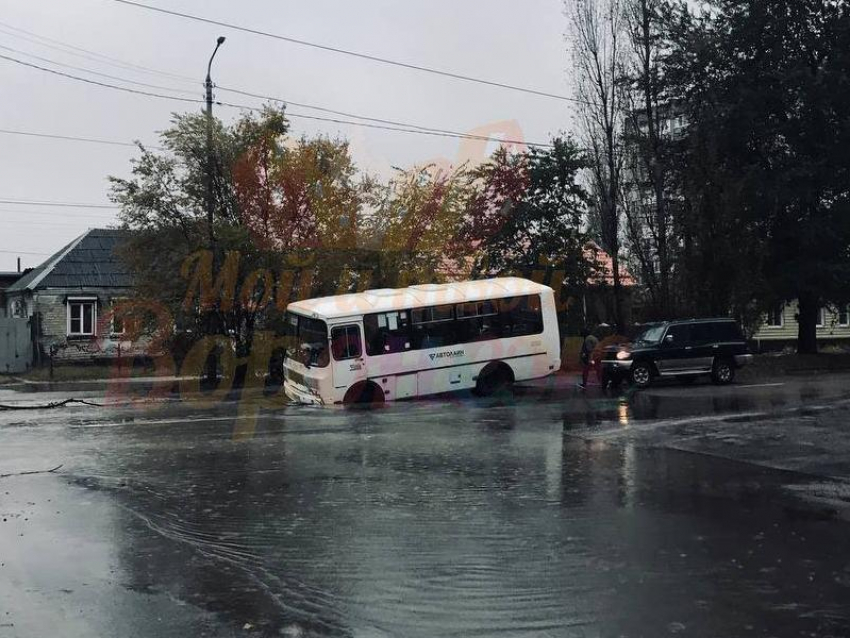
(493, 379)
(364, 393)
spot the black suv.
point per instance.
(683, 349)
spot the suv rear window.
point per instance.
(705, 332)
(729, 331)
(716, 332)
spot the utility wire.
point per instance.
(74, 138)
(32, 202)
(313, 107)
(464, 136)
(98, 73)
(356, 54)
(98, 83)
(345, 114)
(86, 53)
(82, 217)
(254, 108)
(21, 252)
(66, 137)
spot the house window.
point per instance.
(843, 316)
(82, 315)
(117, 324)
(19, 308)
(821, 317)
(776, 317)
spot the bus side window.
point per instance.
(387, 332)
(479, 321)
(433, 326)
(521, 316)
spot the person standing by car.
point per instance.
(588, 363)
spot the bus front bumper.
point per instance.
(300, 394)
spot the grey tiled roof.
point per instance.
(90, 261)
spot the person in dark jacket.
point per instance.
(588, 363)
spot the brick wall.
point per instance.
(52, 327)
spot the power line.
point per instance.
(41, 223)
(98, 73)
(105, 217)
(87, 54)
(73, 138)
(345, 114)
(356, 54)
(98, 83)
(33, 202)
(313, 107)
(394, 123)
(419, 131)
(465, 136)
(21, 252)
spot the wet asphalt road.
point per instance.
(557, 513)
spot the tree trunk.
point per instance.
(618, 294)
(807, 319)
(654, 166)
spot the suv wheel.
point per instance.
(723, 372)
(641, 374)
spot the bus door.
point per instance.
(347, 349)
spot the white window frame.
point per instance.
(846, 323)
(81, 300)
(771, 326)
(821, 318)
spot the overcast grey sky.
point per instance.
(519, 43)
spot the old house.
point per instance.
(779, 327)
(67, 301)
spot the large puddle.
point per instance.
(458, 519)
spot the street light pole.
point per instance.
(209, 95)
(210, 321)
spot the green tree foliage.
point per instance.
(295, 218)
(765, 172)
(411, 230)
(285, 218)
(526, 216)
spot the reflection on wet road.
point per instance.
(428, 519)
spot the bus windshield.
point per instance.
(310, 340)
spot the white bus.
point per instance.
(383, 345)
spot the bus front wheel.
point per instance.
(364, 392)
(494, 378)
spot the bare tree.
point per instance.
(650, 122)
(598, 32)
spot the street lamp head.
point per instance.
(218, 43)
